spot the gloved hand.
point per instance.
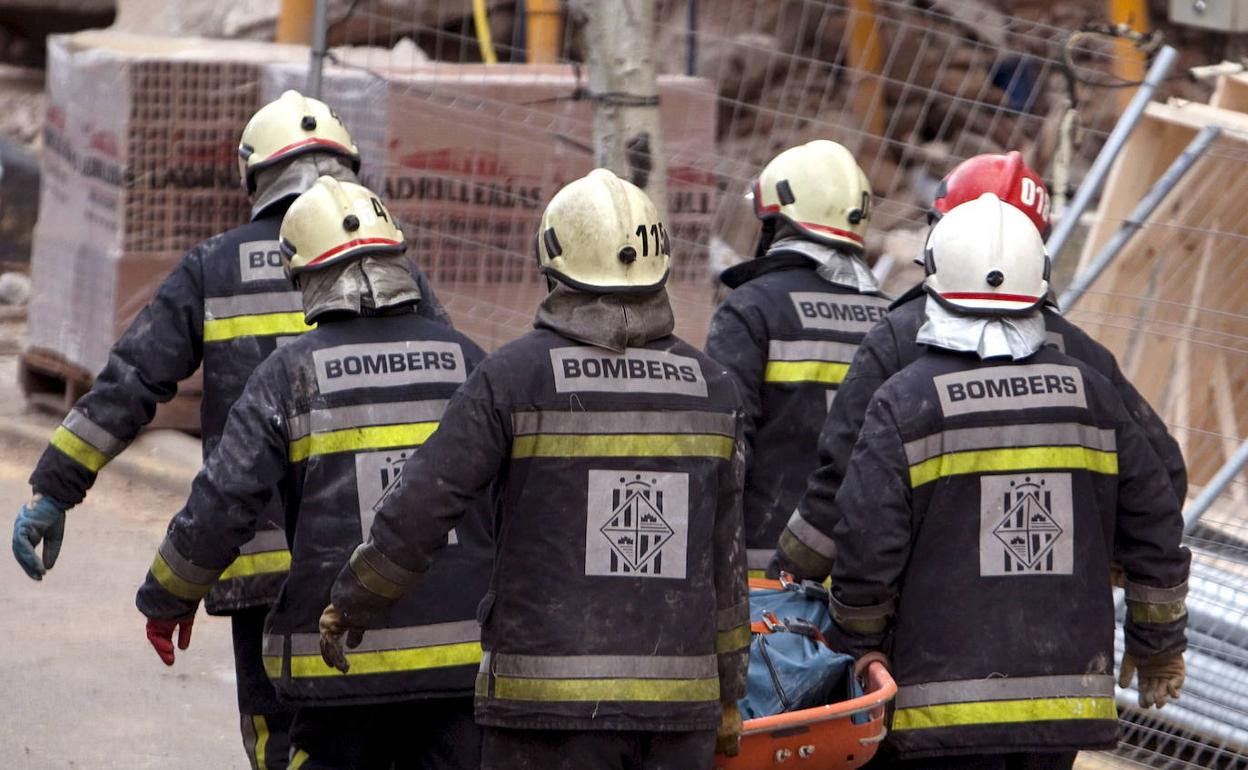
(728, 736)
(160, 634)
(333, 626)
(1160, 679)
(862, 664)
(40, 519)
(1117, 575)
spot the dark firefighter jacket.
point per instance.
(786, 337)
(805, 546)
(227, 305)
(619, 597)
(981, 508)
(328, 420)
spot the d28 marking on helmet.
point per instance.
(637, 524)
(1026, 525)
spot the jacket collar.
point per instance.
(611, 321)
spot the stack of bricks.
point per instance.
(139, 165)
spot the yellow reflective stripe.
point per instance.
(756, 573)
(262, 563)
(805, 371)
(731, 641)
(649, 690)
(262, 739)
(1003, 711)
(298, 760)
(352, 439)
(175, 584)
(219, 329)
(78, 450)
(1156, 612)
(273, 666)
(623, 445)
(388, 661)
(1024, 458)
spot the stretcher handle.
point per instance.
(880, 690)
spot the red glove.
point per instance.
(160, 634)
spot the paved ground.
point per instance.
(82, 688)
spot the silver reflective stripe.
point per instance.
(106, 443)
(529, 423)
(265, 540)
(1005, 688)
(253, 304)
(810, 537)
(183, 567)
(1010, 436)
(606, 666)
(364, 415)
(405, 638)
(273, 643)
(810, 350)
(758, 558)
(730, 617)
(1150, 595)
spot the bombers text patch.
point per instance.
(635, 370)
(260, 261)
(1001, 388)
(387, 364)
(838, 312)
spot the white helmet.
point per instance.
(985, 257)
(288, 126)
(820, 189)
(602, 234)
(334, 222)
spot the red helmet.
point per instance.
(1006, 176)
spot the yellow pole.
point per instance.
(481, 22)
(294, 22)
(1128, 60)
(543, 30)
(866, 59)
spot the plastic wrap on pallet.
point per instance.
(139, 164)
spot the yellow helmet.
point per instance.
(337, 221)
(289, 126)
(820, 189)
(603, 234)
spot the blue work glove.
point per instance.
(40, 519)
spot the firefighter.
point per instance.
(789, 329)
(325, 424)
(805, 545)
(227, 305)
(992, 483)
(616, 628)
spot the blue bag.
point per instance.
(791, 667)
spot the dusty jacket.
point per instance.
(786, 336)
(326, 423)
(983, 503)
(619, 596)
(805, 546)
(226, 305)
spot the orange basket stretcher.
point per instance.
(820, 738)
